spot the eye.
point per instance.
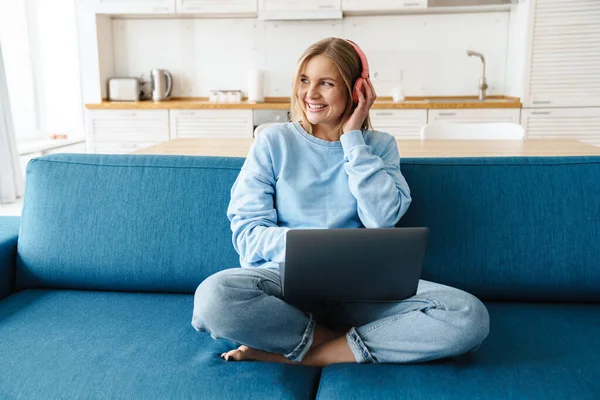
(303, 80)
(328, 84)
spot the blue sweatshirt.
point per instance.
(293, 180)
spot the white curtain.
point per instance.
(11, 180)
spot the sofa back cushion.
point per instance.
(126, 222)
(510, 228)
(507, 228)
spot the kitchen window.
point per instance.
(41, 59)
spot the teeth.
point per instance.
(315, 105)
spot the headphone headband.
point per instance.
(363, 59)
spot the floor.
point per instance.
(12, 209)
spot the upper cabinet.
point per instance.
(382, 5)
(564, 56)
(216, 6)
(199, 7)
(294, 9)
(129, 7)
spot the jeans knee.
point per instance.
(220, 299)
(477, 324)
(210, 300)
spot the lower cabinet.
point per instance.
(476, 115)
(563, 123)
(211, 123)
(403, 124)
(124, 131)
(407, 124)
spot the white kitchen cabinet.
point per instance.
(563, 55)
(123, 131)
(298, 10)
(403, 124)
(475, 115)
(563, 123)
(211, 123)
(129, 6)
(382, 5)
(217, 6)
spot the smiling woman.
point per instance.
(325, 169)
(322, 88)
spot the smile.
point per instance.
(315, 107)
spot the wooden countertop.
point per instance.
(283, 103)
(409, 148)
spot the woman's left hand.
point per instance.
(362, 109)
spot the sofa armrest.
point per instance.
(9, 232)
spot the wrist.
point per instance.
(350, 128)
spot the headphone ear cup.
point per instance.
(358, 87)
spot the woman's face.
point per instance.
(322, 91)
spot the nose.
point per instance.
(313, 91)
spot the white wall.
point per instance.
(426, 51)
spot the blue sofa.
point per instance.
(97, 280)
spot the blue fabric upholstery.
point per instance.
(9, 232)
(519, 228)
(501, 228)
(534, 351)
(514, 228)
(110, 345)
(126, 222)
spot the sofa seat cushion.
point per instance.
(86, 344)
(534, 351)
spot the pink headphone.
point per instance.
(359, 84)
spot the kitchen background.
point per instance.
(424, 53)
(60, 54)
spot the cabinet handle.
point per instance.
(159, 9)
(322, 7)
(412, 4)
(384, 113)
(542, 102)
(447, 114)
(540, 112)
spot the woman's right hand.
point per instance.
(361, 111)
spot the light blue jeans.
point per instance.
(245, 306)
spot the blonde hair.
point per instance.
(347, 61)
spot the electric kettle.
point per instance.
(162, 84)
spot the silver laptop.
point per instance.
(352, 264)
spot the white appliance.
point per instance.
(162, 84)
(123, 89)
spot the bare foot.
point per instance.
(245, 353)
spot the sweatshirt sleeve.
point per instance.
(251, 211)
(382, 194)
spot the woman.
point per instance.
(326, 169)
